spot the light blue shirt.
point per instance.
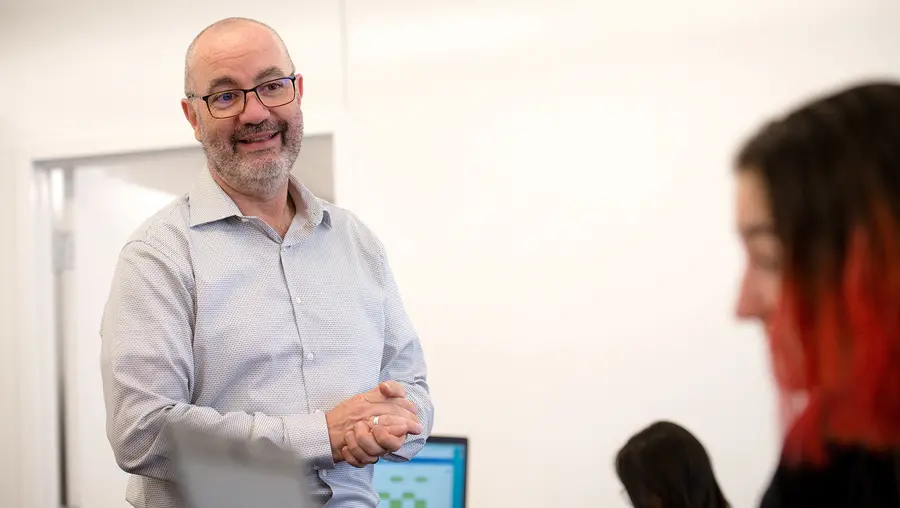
(216, 322)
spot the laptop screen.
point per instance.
(435, 478)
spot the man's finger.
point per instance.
(349, 458)
(357, 451)
(367, 441)
(392, 389)
(399, 426)
(387, 439)
(405, 404)
(379, 395)
(387, 409)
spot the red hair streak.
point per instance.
(843, 356)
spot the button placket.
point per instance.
(298, 301)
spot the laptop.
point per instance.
(217, 472)
(435, 478)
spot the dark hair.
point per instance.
(831, 169)
(665, 466)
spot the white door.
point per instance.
(109, 203)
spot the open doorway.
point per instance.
(86, 208)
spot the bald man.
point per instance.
(251, 309)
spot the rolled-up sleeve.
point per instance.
(404, 362)
(148, 371)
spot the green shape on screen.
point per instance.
(400, 503)
(396, 479)
(421, 479)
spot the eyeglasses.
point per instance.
(271, 94)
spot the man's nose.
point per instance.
(254, 110)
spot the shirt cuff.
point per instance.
(307, 436)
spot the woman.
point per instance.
(664, 466)
(818, 210)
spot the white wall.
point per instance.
(551, 180)
(100, 69)
(10, 430)
(553, 187)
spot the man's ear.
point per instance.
(190, 113)
(299, 84)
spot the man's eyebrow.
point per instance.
(269, 72)
(220, 82)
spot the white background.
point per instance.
(551, 180)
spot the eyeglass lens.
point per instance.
(271, 93)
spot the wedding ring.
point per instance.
(374, 420)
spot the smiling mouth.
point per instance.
(258, 138)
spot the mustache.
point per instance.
(250, 130)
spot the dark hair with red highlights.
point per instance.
(831, 169)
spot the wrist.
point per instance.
(335, 438)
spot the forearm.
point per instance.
(141, 446)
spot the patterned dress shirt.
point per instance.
(217, 323)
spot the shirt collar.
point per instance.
(209, 203)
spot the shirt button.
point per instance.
(298, 300)
(324, 473)
(310, 356)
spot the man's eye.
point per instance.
(224, 98)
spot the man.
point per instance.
(249, 308)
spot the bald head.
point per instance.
(221, 34)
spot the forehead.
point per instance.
(752, 202)
(239, 52)
(753, 213)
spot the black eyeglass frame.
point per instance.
(245, 92)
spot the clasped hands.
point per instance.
(355, 437)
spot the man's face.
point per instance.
(254, 151)
(761, 282)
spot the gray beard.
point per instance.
(248, 178)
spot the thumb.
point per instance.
(392, 389)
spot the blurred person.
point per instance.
(818, 210)
(250, 308)
(665, 466)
